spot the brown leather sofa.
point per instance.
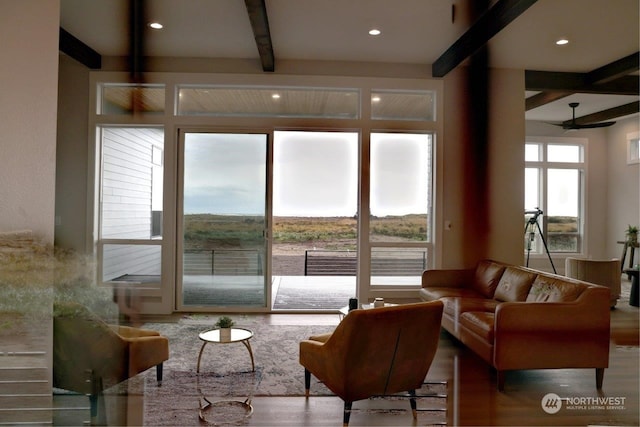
(518, 318)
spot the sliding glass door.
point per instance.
(222, 248)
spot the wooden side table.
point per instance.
(627, 245)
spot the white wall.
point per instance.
(623, 186)
(28, 108)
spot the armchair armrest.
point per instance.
(130, 332)
(447, 278)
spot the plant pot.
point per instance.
(225, 334)
(632, 238)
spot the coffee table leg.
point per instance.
(248, 346)
(200, 356)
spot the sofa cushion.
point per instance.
(479, 322)
(552, 289)
(454, 306)
(432, 294)
(486, 277)
(514, 284)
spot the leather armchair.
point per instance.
(90, 356)
(373, 352)
(601, 272)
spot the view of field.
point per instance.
(208, 231)
(292, 236)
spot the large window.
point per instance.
(343, 169)
(554, 193)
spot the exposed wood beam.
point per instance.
(615, 70)
(611, 113)
(574, 82)
(487, 26)
(137, 10)
(70, 45)
(260, 24)
(612, 79)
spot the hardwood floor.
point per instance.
(473, 398)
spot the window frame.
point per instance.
(543, 166)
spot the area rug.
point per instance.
(225, 372)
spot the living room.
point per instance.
(472, 220)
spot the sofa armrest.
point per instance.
(539, 335)
(447, 278)
(547, 317)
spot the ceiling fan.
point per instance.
(572, 125)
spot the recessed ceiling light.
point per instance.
(275, 96)
(562, 41)
(375, 98)
(156, 25)
(374, 32)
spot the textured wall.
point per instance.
(28, 109)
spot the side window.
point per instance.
(554, 184)
(131, 188)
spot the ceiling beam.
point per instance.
(576, 82)
(611, 113)
(615, 69)
(488, 25)
(260, 24)
(70, 45)
(137, 9)
(610, 79)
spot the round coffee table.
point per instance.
(240, 335)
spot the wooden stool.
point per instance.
(628, 245)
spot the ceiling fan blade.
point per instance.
(588, 125)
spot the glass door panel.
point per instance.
(223, 245)
(400, 230)
(315, 195)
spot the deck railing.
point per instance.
(345, 263)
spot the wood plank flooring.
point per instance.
(473, 398)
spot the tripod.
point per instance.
(530, 231)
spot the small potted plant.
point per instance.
(225, 323)
(632, 234)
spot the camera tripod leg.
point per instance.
(544, 242)
(528, 230)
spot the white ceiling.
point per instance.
(413, 31)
